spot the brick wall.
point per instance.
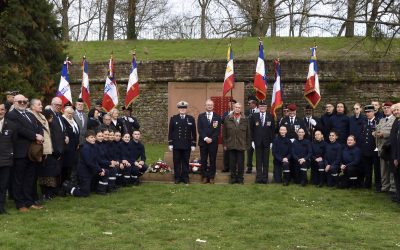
(350, 82)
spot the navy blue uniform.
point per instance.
(317, 168)
(356, 124)
(139, 154)
(87, 168)
(281, 148)
(127, 154)
(182, 135)
(301, 149)
(208, 127)
(370, 159)
(332, 157)
(350, 157)
(325, 124)
(341, 124)
(262, 132)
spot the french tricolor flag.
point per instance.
(277, 100)
(132, 91)
(311, 89)
(85, 93)
(260, 78)
(229, 79)
(64, 89)
(110, 95)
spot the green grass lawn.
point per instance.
(244, 48)
(168, 216)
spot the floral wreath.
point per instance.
(159, 166)
(195, 166)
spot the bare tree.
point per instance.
(131, 27)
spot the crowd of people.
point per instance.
(337, 149)
(65, 151)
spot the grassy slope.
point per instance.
(167, 216)
(246, 48)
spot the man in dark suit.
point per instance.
(81, 118)
(312, 123)
(8, 134)
(58, 133)
(182, 139)
(209, 127)
(262, 134)
(395, 150)
(29, 132)
(253, 109)
(129, 122)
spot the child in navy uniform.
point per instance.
(139, 166)
(301, 154)
(105, 159)
(125, 167)
(317, 159)
(87, 168)
(332, 159)
(281, 150)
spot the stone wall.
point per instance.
(350, 82)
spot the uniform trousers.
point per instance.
(4, 175)
(262, 163)
(181, 164)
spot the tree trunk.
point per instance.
(110, 19)
(79, 19)
(271, 17)
(255, 29)
(203, 4)
(374, 15)
(64, 21)
(131, 29)
(351, 15)
(100, 11)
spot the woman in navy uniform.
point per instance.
(317, 159)
(340, 122)
(332, 159)
(301, 155)
(262, 132)
(281, 150)
(349, 163)
(182, 138)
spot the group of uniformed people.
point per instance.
(64, 150)
(339, 150)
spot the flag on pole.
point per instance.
(85, 93)
(311, 89)
(110, 96)
(64, 89)
(277, 100)
(229, 80)
(260, 78)
(132, 92)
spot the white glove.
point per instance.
(270, 146)
(292, 140)
(170, 147)
(192, 148)
(313, 122)
(130, 119)
(253, 145)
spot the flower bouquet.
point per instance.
(159, 166)
(195, 166)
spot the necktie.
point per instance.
(209, 117)
(291, 120)
(182, 117)
(1, 124)
(81, 118)
(59, 120)
(26, 116)
(262, 119)
(387, 118)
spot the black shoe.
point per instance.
(249, 170)
(225, 170)
(186, 181)
(232, 181)
(67, 186)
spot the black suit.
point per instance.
(293, 127)
(370, 159)
(8, 135)
(129, 124)
(24, 171)
(210, 129)
(182, 136)
(249, 113)
(118, 126)
(311, 128)
(395, 155)
(262, 134)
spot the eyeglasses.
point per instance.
(22, 102)
(58, 105)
